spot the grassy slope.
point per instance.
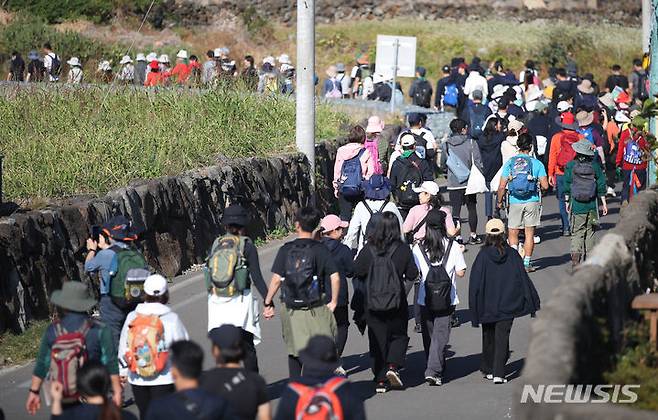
(62, 144)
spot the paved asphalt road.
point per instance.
(465, 395)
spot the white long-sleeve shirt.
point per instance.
(356, 232)
(475, 81)
(174, 330)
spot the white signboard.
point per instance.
(386, 54)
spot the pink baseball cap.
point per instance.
(375, 125)
(332, 222)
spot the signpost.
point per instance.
(396, 57)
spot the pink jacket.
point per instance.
(347, 152)
(417, 214)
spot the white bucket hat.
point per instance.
(498, 91)
(164, 58)
(104, 66)
(125, 59)
(563, 106)
(151, 57)
(182, 54)
(284, 59)
(217, 52)
(140, 57)
(269, 59)
(74, 61)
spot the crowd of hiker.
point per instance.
(513, 143)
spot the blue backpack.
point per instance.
(522, 183)
(477, 115)
(632, 152)
(351, 177)
(588, 133)
(451, 95)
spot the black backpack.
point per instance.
(375, 216)
(583, 182)
(423, 94)
(641, 88)
(411, 177)
(301, 288)
(383, 285)
(56, 66)
(438, 283)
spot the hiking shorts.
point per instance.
(299, 325)
(524, 215)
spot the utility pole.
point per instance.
(305, 95)
(649, 24)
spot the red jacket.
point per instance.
(623, 139)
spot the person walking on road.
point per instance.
(523, 176)
(146, 337)
(584, 185)
(632, 157)
(233, 272)
(387, 270)
(245, 390)
(52, 63)
(499, 290)
(332, 232)
(301, 269)
(492, 160)
(72, 332)
(338, 395)
(421, 91)
(458, 154)
(353, 165)
(439, 263)
(408, 171)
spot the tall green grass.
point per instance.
(84, 141)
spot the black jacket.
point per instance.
(382, 93)
(492, 158)
(499, 287)
(344, 259)
(400, 167)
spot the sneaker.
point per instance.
(566, 232)
(488, 377)
(393, 377)
(381, 387)
(537, 239)
(340, 371)
(459, 240)
(454, 321)
(434, 380)
(611, 192)
(418, 328)
(498, 380)
(530, 268)
(474, 240)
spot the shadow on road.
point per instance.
(552, 261)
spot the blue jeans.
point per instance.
(559, 190)
(626, 186)
(113, 317)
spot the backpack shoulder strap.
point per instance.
(365, 203)
(381, 209)
(419, 225)
(334, 383)
(86, 326)
(425, 256)
(59, 329)
(298, 388)
(446, 254)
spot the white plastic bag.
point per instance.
(495, 182)
(476, 182)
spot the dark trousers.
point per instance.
(341, 314)
(610, 170)
(250, 358)
(626, 187)
(145, 394)
(294, 367)
(495, 347)
(113, 317)
(388, 340)
(436, 333)
(346, 207)
(559, 192)
(457, 199)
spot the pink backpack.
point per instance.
(372, 147)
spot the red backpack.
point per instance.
(68, 354)
(319, 402)
(567, 154)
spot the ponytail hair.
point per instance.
(93, 380)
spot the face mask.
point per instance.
(518, 102)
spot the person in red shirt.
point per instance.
(632, 153)
(154, 78)
(181, 71)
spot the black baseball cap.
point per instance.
(446, 69)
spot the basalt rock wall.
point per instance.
(179, 217)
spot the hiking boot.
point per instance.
(434, 380)
(418, 328)
(474, 240)
(530, 268)
(454, 321)
(394, 378)
(498, 380)
(611, 192)
(382, 387)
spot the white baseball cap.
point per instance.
(407, 140)
(430, 187)
(155, 285)
(182, 54)
(563, 106)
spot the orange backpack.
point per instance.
(319, 402)
(147, 352)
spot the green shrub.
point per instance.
(72, 141)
